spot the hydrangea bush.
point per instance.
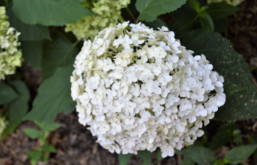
(90, 26)
(138, 90)
(10, 55)
(141, 89)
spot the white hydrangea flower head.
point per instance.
(3, 124)
(231, 2)
(90, 26)
(140, 89)
(10, 56)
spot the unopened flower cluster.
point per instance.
(90, 26)
(141, 89)
(231, 2)
(10, 56)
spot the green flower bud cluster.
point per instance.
(231, 2)
(89, 26)
(10, 56)
(3, 124)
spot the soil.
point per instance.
(76, 146)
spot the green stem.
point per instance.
(131, 14)
(6, 3)
(119, 16)
(76, 43)
(137, 20)
(45, 136)
(198, 14)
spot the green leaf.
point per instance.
(49, 12)
(238, 140)
(51, 126)
(44, 157)
(54, 96)
(181, 152)
(146, 157)
(150, 9)
(230, 64)
(48, 148)
(236, 132)
(187, 161)
(28, 32)
(156, 24)
(253, 140)
(201, 155)
(159, 155)
(34, 155)
(218, 162)
(229, 127)
(220, 139)
(231, 89)
(7, 94)
(181, 27)
(221, 10)
(239, 154)
(18, 108)
(194, 4)
(32, 52)
(124, 159)
(56, 53)
(203, 8)
(32, 133)
(206, 22)
(185, 12)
